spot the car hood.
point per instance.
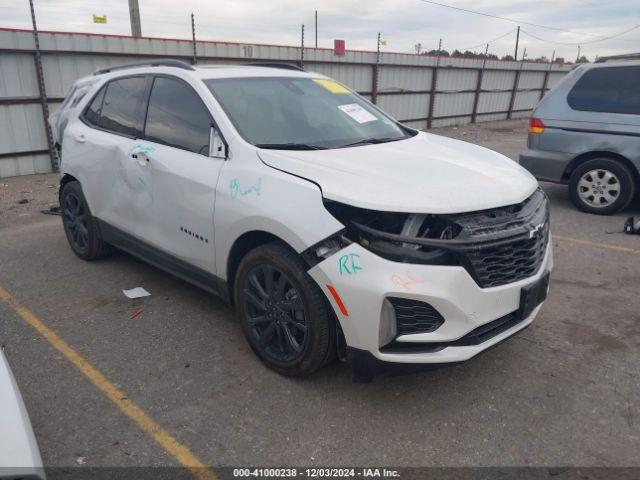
(423, 174)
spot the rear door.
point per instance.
(97, 149)
(179, 176)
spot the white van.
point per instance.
(333, 229)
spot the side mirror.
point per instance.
(217, 147)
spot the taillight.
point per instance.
(536, 126)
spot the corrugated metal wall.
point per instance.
(421, 91)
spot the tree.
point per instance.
(582, 59)
(508, 58)
(443, 53)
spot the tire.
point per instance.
(289, 311)
(79, 225)
(602, 186)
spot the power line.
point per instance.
(514, 20)
(490, 41)
(586, 41)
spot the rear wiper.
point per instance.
(290, 146)
(370, 141)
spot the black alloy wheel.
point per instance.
(284, 314)
(275, 313)
(80, 227)
(75, 221)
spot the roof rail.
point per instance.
(161, 62)
(628, 56)
(284, 66)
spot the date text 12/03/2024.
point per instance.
(315, 473)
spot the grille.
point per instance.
(507, 257)
(415, 317)
(510, 262)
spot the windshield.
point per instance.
(302, 113)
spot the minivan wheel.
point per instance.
(601, 186)
(283, 312)
(79, 225)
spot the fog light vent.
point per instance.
(415, 317)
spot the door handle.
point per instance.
(141, 157)
(80, 138)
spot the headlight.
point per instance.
(401, 237)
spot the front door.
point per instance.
(177, 176)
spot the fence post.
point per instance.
(193, 36)
(374, 83)
(476, 99)
(43, 92)
(376, 72)
(302, 47)
(432, 92)
(514, 91)
(545, 82)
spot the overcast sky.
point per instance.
(403, 23)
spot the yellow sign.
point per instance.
(333, 87)
(99, 19)
(383, 43)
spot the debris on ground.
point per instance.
(23, 201)
(632, 226)
(52, 210)
(136, 314)
(137, 292)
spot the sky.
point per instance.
(403, 23)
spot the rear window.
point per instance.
(121, 105)
(610, 90)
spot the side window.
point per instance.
(609, 89)
(177, 117)
(120, 109)
(92, 114)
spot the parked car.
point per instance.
(332, 228)
(19, 453)
(586, 133)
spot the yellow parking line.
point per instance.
(130, 409)
(596, 244)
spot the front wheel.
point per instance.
(602, 186)
(283, 312)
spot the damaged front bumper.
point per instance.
(357, 283)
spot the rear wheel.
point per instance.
(602, 186)
(79, 225)
(283, 313)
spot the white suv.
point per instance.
(333, 229)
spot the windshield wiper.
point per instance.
(371, 141)
(290, 146)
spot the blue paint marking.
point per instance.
(348, 264)
(146, 188)
(236, 189)
(138, 147)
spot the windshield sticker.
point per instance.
(332, 86)
(358, 113)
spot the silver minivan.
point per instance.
(586, 133)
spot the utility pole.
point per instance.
(134, 15)
(193, 35)
(578, 57)
(515, 57)
(302, 47)
(439, 47)
(316, 28)
(524, 54)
